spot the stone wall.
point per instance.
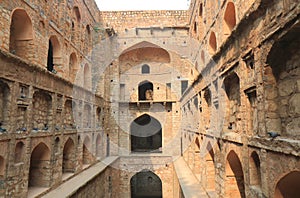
(235, 146)
(121, 20)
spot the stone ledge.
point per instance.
(190, 186)
(71, 186)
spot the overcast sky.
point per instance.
(114, 5)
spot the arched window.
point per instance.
(145, 69)
(229, 17)
(54, 54)
(146, 134)
(21, 34)
(146, 184)
(145, 90)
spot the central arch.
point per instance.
(146, 134)
(145, 90)
(146, 184)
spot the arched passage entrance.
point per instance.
(39, 172)
(146, 134)
(68, 164)
(288, 186)
(234, 184)
(146, 184)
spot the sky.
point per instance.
(117, 5)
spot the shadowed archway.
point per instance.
(146, 184)
(146, 134)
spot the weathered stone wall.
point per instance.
(122, 20)
(41, 103)
(256, 60)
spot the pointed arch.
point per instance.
(234, 182)
(212, 43)
(54, 53)
(145, 90)
(21, 33)
(146, 184)
(288, 186)
(146, 134)
(39, 171)
(229, 17)
(87, 155)
(254, 170)
(86, 76)
(145, 52)
(145, 69)
(68, 164)
(73, 66)
(210, 168)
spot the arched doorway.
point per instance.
(288, 186)
(146, 134)
(146, 184)
(39, 172)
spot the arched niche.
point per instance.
(19, 152)
(231, 86)
(145, 90)
(68, 164)
(86, 76)
(21, 34)
(87, 156)
(40, 166)
(73, 66)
